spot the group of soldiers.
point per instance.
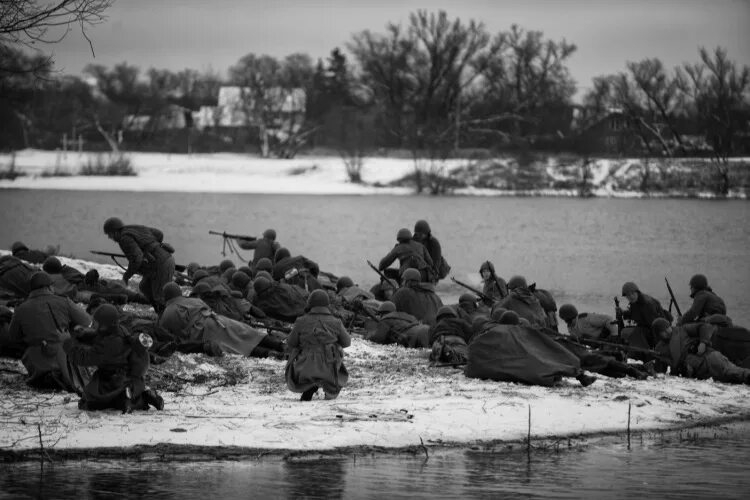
(283, 306)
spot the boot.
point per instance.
(308, 394)
(153, 399)
(586, 380)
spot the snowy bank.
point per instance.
(235, 406)
(326, 175)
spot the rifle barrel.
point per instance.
(671, 295)
(235, 236)
(468, 287)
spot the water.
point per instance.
(697, 468)
(581, 250)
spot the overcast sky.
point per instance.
(214, 34)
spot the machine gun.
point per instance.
(227, 242)
(224, 234)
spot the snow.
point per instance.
(394, 399)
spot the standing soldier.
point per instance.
(147, 255)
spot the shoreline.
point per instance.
(168, 452)
(233, 173)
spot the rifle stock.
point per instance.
(470, 288)
(115, 256)
(235, 236)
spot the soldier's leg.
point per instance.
(723, 370)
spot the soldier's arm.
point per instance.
(134, 255)
(345, 339)
(692, 314)
(293, 340)
(247, 244)
(157, 234)
(388, 259)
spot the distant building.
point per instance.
(236, 107)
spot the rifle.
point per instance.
(618, 316)
(477, 292)
(382, 276)
(235, 236)
(623, 347)
(503, 290)
(672, 300)
(115, 256)
(282, 329)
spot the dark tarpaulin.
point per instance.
(734, 343)
(514, 353)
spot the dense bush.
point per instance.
(109, 165)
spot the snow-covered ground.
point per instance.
(394, 400)
(242, 173)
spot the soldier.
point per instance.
(21, 251)
(493, 286)
(587, 325)
(417, 298)
(395, 327)
(279, 300)
(423, 234)
(60, 285)
(410, 254)
(688, 349)
(15, 276)
(643, 310)
(705, 301)
(316, 355)
(298, 270)
(147, 255)
(264, 247)
(121, 362)
(523, 301)
(42, 323)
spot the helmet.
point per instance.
(171, 290)
(699, 282)
(261, 284)
(200, 288)
(568, 312)
(517, 282)
(477, 324)
(403, 235)
(240, 279)
(344, 282)
(270, 234)
(281, 253)
(113, 224)
(411, 274)
(497, 312)
(629, 287)
(318, 298)
(52, 265)
(387, 307)
(225, 264)
(264, 274)
(264, 264)
(39, 279)
(18, 247)
(659, 325)
(422, 227)
(106, 315)
(509, 318)
(199, 275)
(192, 267)
(467, 298)
(246, 270)
(91, 277)
(446, 311)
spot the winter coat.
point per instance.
(515, 353)
(143, 248)
(400, 328)
(121, 362)
(299, 271)
(72, 274)
(592, 326)
(705, 303)
(419, 300)
(410, 254)
(192, 320)
(43, 322)
(645, 310)
(263, 248)
(524, 303)
(450, 326)
(112, 287)
(440, 267)
(316, 353)
(495, 287)
(282, 301)
(15, 275)
(32, 256)
(354, 293)
(63, 287)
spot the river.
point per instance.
(712, 464)
(582, 250)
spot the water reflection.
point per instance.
(676, 468)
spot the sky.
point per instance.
(213, 35)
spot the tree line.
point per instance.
(435, 86)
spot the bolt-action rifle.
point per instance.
(115, 256)
(470, 288)
(382, 276)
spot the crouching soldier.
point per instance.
(449, 337)
(689, 352)
(587, 325)
(316, 356)
(121, 362)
